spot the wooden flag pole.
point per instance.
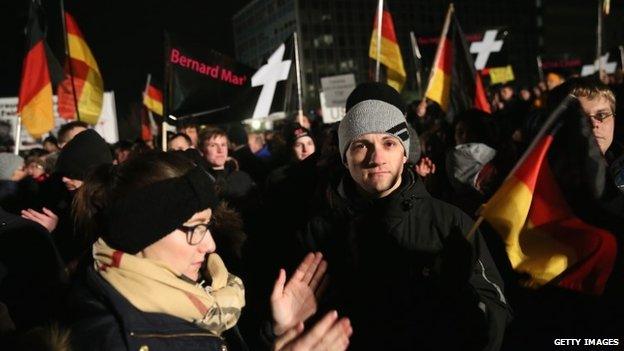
(68, 58)
(599, 65)
(379, 29)
(298, 73)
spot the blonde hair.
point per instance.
(592, 90)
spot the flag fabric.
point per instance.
(454, 83)
(35, 94)
(153, 99)
(87, 90)
(390, 53)
(543, 237)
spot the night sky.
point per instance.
(124, 36)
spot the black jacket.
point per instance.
(102, 319)
(401, 268)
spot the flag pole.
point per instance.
(540, 68)
(438, 55)
(68, 57)
(552, 119)
(298, 69)
(417, 57)
(379, 29)
(163, 138)
(599, 65)
(18, 135)
(622, 57)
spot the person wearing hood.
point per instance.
(77, 158)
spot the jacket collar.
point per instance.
(411, 189)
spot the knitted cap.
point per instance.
(86, 150)
(372, 116)
(8, 164)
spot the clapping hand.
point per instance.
(46, 218)
(294, 302)
(329, 334)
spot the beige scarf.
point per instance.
(152, 286)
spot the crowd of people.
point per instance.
(305, 237)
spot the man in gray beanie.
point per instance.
(401, 265)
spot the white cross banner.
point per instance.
(276, 69)
(485, 47)
(592, 68)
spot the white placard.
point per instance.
(106, 126)
(333, 98)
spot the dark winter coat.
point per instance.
(403, 271)
(102, 319)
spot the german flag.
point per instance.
(35, 94)
(454, 83)
(390, 53)
(153, 99)
(83, 85)
(543, 237)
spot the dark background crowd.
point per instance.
(278, 181)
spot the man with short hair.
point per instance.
(69, 130)
(402, 266)
(598, 104)
(179, 142)
(234, 185)
(191, 130)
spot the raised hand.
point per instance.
(328, 334)
(294, 302)
(47, 218)
(425, 167)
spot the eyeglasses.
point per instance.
(600, 116)
(194, 234)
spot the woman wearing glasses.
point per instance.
(151, 219)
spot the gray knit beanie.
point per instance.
(372, 116)
(8, 164)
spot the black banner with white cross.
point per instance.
(209, 87)
(271, 92)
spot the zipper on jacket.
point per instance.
(176, 335)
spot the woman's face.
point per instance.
(175, 250)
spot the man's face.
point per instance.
(192, 133)
(178, 144)
(216, 151)
(375, 162)
(304, 147)
(597, 109)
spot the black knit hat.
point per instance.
(85, 151)
(294, 131)
(147, 214)
(376, 91)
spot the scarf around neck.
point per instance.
(152, 286)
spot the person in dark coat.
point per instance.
(80, 155)
(402, 265)
(153, 216)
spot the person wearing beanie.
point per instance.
(403, 267)
(11, 172)
(77, 158)
(299, 140)
(11, 167)
(82, 153)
